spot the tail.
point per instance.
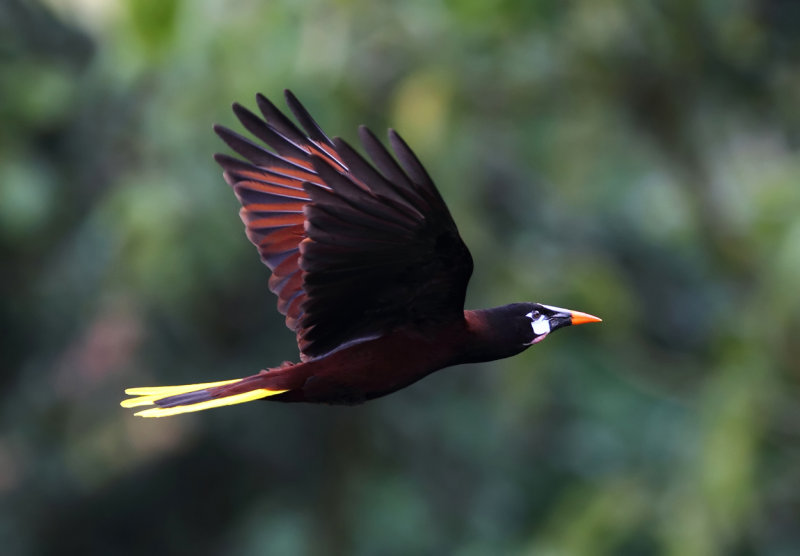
(172, 400)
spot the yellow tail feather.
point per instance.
(149, 395)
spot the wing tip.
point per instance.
(223, 132)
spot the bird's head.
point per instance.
(546, 318)
(513, 328)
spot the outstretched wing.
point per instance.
(355, 250)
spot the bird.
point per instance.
(367, 263)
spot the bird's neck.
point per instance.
(491, 335)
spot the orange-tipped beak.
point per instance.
(583, 318)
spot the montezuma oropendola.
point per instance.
(367, 264)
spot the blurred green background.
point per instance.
(634, 159)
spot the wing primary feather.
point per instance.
(282, 144)
(239, 169)
(309, 125)
(357, 197)
(413, 167)
(277, 189)
(387, 164)
(245, 147)
(332, 207)
(278, 120)
(367, 174)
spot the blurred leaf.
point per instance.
(154, 22)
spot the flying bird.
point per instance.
(367, 264)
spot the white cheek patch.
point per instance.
(541, 326)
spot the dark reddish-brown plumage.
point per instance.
(367, 264)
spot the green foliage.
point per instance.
(636, 160)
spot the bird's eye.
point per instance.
(534, 315)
